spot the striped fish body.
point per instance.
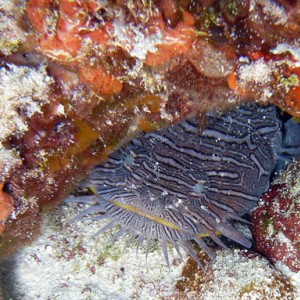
(177, 185)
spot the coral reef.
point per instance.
(23, 93)
(276, 220)
(6, 207)
(80, 77)
(235, 275)
(12, 35)
(74, 265)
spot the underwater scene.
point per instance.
(149, 149)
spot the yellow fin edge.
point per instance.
(154, 218)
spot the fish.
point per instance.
(180, 186)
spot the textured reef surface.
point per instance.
(79, 79)
(65, 262)
(276, 220)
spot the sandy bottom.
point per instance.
(64, 262)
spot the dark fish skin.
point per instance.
(177, 185)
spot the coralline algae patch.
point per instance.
(235, 275)
(276, 223)
(276, 227)
(6, 206)
(67, 263)
(114, 46)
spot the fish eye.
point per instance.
(198, 188)
(128, 159)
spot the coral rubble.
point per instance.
(235, 275)
(69, 263)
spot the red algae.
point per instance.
(174, 41)
(100, 80)
(292, 101)
(276, 220)
(6, 207)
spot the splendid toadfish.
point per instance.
(177, 185)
